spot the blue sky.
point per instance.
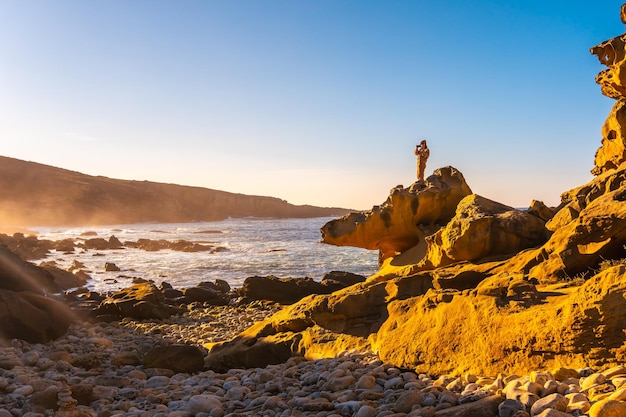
(314, 102)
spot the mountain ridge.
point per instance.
(35, 194)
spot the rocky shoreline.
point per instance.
(100, 369)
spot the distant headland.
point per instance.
(33, 194)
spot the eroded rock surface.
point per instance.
(405, 218)
(612, 153)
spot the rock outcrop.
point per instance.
(477, 286)
(405, 218)
(612, 80)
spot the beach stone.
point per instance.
(540, 377)
(524, 397)
(365, 411)
(607, 408)
(550, 387)
(87, 360)
(30, 358)
(100, 392)
(47, 399)
(406, 401)
(551, 412)
(580, 407)
(366, 382)
(486, 407)
(562, 373)
(317, 404)
(555, 401)
(83, 393)
(619, 381)
(24, 390)
(112, 380)
(178, 358)
(534, 387)
(448, 398)
(614, 371)
(157, 381)
(508, 408)
(593, 379)
(618, 395)
(59, 355)
(126, 358)
(339, 384)
(204, 403)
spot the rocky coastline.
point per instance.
(478, 310)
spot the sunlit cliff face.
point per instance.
(612, 80)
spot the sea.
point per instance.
(285, 248)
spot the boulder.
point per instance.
(290, 290)
(483, 228)
(539, 209)
(32, 317)
(19, 275)
(279, 290)
(402, 221)
(205, 295)
(111, 267)
(63, 279)
(140, 301)
(178, 358)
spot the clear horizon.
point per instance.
(316, 103)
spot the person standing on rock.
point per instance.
(422, 153)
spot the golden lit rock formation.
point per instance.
(612, 153)
(405, 218)
(470, 285)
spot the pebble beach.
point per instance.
(95, 370)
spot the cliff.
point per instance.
(33, 194)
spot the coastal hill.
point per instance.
(33, 194)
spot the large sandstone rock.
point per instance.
(401, 222)
(612, 153)
(480, 229)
